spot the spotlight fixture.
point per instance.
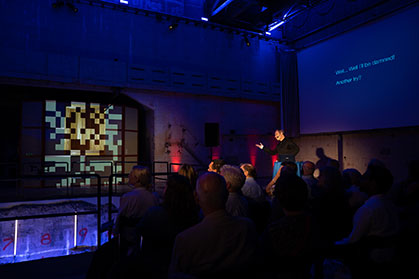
(61, 3)
(72, 7)
(222, 6)
(247, 41)
(173, 26)
(58, 4)
(275, 25)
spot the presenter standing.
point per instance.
(286, 148)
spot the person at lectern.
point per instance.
(286, 148)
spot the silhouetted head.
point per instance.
(291, 192)
(351, 177)
(330, 179)
(376, 180)
(140, 177)
(413, 170)
(308, 168)
(178, 194)
(376, 162)
(211, 192)
(189, 172)
(248, 170)
(289, 167)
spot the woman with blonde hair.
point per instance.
(189, 172)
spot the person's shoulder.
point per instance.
(241, 221)
(190, 233)
(130, 193)
(156, 210)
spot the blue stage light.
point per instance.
(222, 6)
(275, 25)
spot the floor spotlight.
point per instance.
(247, 41)
(72, 7)
(57, 4)
(173, 26)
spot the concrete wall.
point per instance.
(179, 121)
(395, 147)
(103, 46)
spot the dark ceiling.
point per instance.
(303, 22)
(253, 15)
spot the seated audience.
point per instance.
(220, 246)
(287, 242)
(161, 224)
(236, 204)
(251, 189)
(378, 216)
(375, 226)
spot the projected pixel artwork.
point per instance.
(81, 134)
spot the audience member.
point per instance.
(330, 208)
(220, 245)
(376, 162)
(378, 216)
(251, 189)
(112, 257)
(287, 243)
(236, 204)
(375, 226)
(259, 206)
(161, 224)
(190, 173)
(308, 176)
(398, 192)
(276, 208)
(352, 181)
(134, 204)
(287, 166)
(215, 165)
(409, 223)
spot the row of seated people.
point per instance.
(222, 224)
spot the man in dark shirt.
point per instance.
(286, 149)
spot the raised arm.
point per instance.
(271, 185)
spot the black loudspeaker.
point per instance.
(212, 134)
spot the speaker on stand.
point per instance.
(212, 135)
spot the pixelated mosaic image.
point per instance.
(85, 137)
